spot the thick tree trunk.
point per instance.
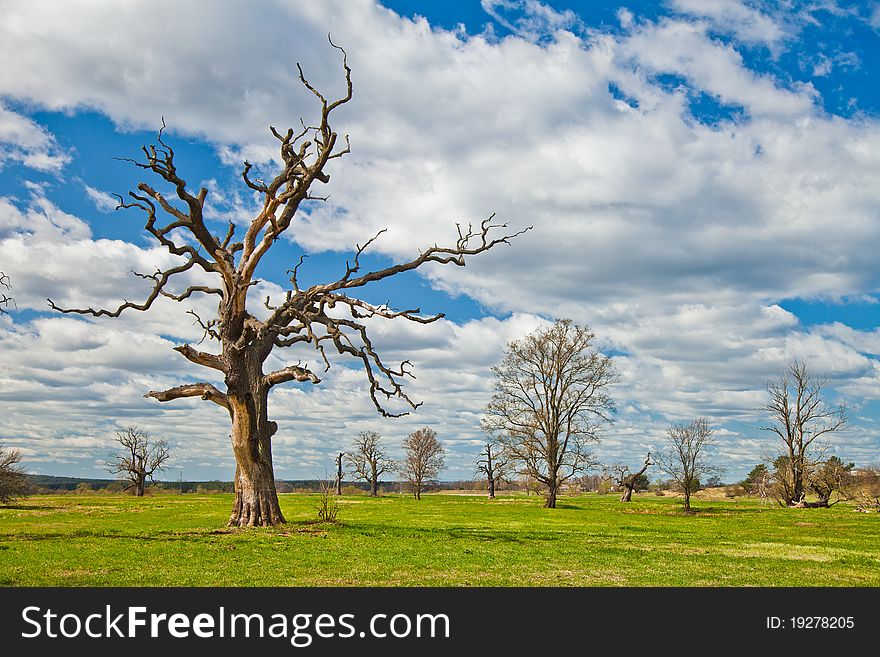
(627, 494)
(374, 487)
(550, 502)
(797, 483)
(491, 488)
(256, 501)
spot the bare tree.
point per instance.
(685, 460)
(5, 299)
(369, 459)
(831, 478)
(141, 457)
(627, 480)
(800, 418)
(423, 459)
(13, 482)
(339, 472)
(322, 315)
(551, 394)
(494, 467)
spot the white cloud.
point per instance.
(103, 201)
(23, 141)
(531, 19)
(748, 24)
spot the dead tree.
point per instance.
(13, 481)
(627, 480)
(339, 458)
(369, 459)
(5, 299)
(800, 418)
(828, 479)
(686, 458)
(320, 316)
(493, 466)
(423, 460)
(140, 459)
(551, 394)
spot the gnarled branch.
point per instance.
(204, 390)
(291, 373)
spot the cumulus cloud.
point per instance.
(748, 24)
(674, 238)
(25, 142)
(103, 201)
(531, 19)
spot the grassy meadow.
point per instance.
(443, 540)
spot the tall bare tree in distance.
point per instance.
(685, 460)
(316, 317)
(339, 472)
(424, 457)
(369, 459)
(800, 418)
(141, 457)
(626, 479)
(551, 395)
(494, 466)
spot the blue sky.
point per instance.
(702, 178)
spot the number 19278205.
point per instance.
(811, 623)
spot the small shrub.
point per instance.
(327, 506)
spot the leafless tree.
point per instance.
(627, 480)
(5, 299)
(686, 458)
(141, 457)
(339, 472)
(804, 424)
(551, 394)
(369, 459)
(494, 466)
(320, 316)
(423, 460)
(13, 482)
(831, 478)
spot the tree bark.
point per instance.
(627, 494)
(687, 501)
(374, 487)
(256, 501)
(491, 488)
(550, 502)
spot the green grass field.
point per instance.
(443, 540)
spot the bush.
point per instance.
(327, 506)
(13, 483)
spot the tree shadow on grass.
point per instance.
(28, 507)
